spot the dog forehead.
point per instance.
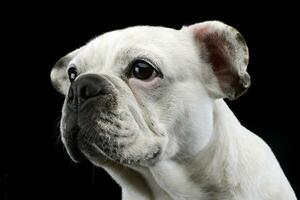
(142, 36)
(138, 35)
(171, 45)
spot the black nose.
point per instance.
(85, 88)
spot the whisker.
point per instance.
(57, 135)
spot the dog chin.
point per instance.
(98, 155)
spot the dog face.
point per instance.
(144, 94)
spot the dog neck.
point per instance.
(204, 176)
(211, 170)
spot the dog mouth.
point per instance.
(78, 141)
(71, 144)
(107, 139)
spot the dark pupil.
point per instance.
(72, 74)
(142, 70)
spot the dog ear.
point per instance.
(225, 55)
(59, 75)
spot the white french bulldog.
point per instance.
(146, 104)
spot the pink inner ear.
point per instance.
(220, 53)
(218, 48)
(222, 47)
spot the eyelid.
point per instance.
(72, 65)
(147, 60)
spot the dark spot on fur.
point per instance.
(105, 149)
(106, 120)
(117, 125)
(240, 39)
(114, 151)
(246, 61)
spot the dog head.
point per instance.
(144, 94)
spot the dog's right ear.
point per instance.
(59, 75)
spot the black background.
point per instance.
(39, 165)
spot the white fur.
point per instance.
(207, 153)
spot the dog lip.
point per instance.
(71, 144)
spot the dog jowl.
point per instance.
(146, 104)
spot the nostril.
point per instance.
(70, 95)
(86, 92)
(91, 91)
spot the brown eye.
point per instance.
(143, 70)
(72, 73)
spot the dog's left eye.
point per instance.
(72, 73)
(143, 70)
